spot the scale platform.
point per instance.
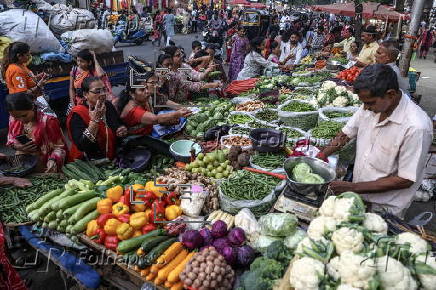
(305, 207)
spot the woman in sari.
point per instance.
(43, 132)
(94, 125)
(240, 47)
(87, 66)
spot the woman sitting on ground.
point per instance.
(43, 132)
(94, 125)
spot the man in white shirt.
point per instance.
(347, 41)
(291, 50)
(387, 53)
(393, 137)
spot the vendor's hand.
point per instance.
(216, 85)
(20, 182)
(99, 111)
(52, 167)
(322, 156)
(339, 187)
(121, 131)
(43, 81)
(29, 147)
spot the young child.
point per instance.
(196, 47)
(275, 52)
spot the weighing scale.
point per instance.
(305, 207)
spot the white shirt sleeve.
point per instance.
(298, 53)
(412, 153)
(352, 127)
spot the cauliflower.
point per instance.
(346, 239)
(306, 274)
(320, 96)
(346, 287)
(340, 101)
(328, 207)
(332, 268)
(340, 89)
(313, 102)
(349, 207)
(417, 244)
(320, 249)
(428, 279)
(355, 270)
(393, 275)
(375, 223)
(328, 85)
(320, 226)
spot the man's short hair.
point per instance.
(392, 47)
(378, 79)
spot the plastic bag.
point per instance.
(302, 120)
(72, 19)
(263, 242)
(98, 40)
(258, 207)
(246, 220)
(323, 117)
(160, 131)
(25, 26)
(244, 148)
(278, 224)
(192, 202)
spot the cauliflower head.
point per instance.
(346, 287)
(340, 89)
(327, 208)
(428, 280)
(347, 239)
(321, 225)
(328, 85)
(306, 274)
(342, 208)
(417, 244)
(340, 101)
(375, 223)
(356, 270)
(333, 268)
(393, 275)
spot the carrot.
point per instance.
(180, 164)
(158, 281)
(276, 175)
(174, 275)
(145, 272)
(150, 277)
(167, 256)
(164, 272)
(177, 286)
(168, 284)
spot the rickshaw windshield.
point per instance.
(251, 17)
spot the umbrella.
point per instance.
(370, 10)
(248, 4)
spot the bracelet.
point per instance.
(89, 135)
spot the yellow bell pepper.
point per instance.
(138, 220)
(115, 193)
(139, 207)
(157, 190)
(124, 231)
(104, 206)
(91, 228)
(137, 233)
(137, 187)
(111, 226)
(172, 212)
(120, 208)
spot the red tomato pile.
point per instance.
(350, 74)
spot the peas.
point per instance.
(327, 129)
(298, 107)
(337, 114)
(268, 160)
(247, 185)
(267, 115)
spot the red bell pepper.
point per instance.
(100, 236)
(172, 198)
(111, 242)
(102, 219)
(148, 228)
(126, 196)
(148, 197)
(125, 218)
(157, 211)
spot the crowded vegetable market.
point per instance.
(200, 145)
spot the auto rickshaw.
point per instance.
(255, 22)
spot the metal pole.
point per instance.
(409, 41)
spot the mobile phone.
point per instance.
(23, 139)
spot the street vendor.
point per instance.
(370, 46)
(347, 34)
(94, 125)
(393, 136)
(387, 53)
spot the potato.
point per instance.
(200, 258)
(210, 258)
(188, 268)
(217, 269)
(209, 269)
(192, 275)
(213, 284)
(188, 282)
(213, 275)
(206, 283)
(195, 264)
(196, 284)
(203, 267)
(219, 278)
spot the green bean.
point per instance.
(267, 115)
(291, 133)
(240, 119)
(298, 107)
(241, 130)
(268, 160)
(327, 130)
(337, 114)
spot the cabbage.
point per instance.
(245, 255)
(230, 254)
(292, 241)
(263, 242)
(207, 236)
(192, 239)
(220, 244)
(236, 236)
(278, 224)
(219, 229)
(303, 173)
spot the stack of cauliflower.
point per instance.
(331, 94)
(348, 249)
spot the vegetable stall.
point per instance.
(234, 215)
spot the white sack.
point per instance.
(98, 40)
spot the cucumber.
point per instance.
(50, 217)
(83, 166)
(80, 226)
(69, 173)
(91, 168)
(151, 257)
(152, 242)
(63, 223)
(59, 214)
(44, 225)
(46, 208)
(134, 243)
(85, 207)
(78, 198)
(55, 204)
(79, 173)
(52, 225)
(43, 199)
(70, 211)
(68, 229)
